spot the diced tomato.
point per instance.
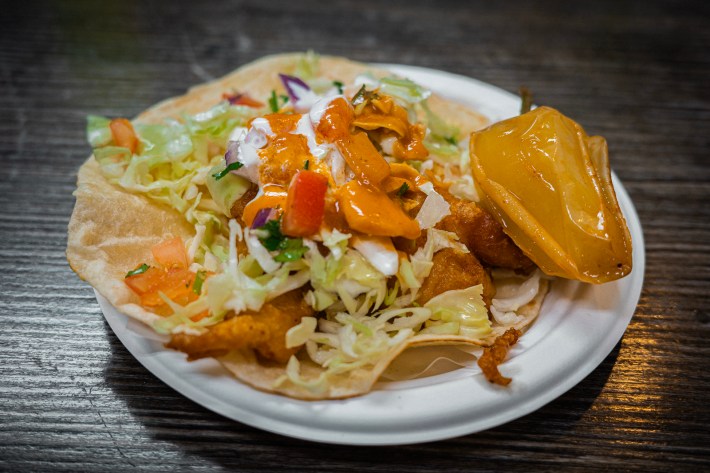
(123, 134)
(171, 253)
(305, 204)
(175, 283)
(171, 277)
(177, 286)
(145, 282)
(242, 99)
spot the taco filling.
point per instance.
(304, 220)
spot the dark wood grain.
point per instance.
(72, 398)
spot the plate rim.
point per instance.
(118, 323)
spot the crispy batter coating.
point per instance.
(484, 236)
(238, 206)
(455, 270)
(476, 228)
(495, 354)
(264, 331)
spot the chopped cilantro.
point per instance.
(197, 285)
(359, 97)
(139, 270)
(402, 190)
(339, 85)
(231, 167)
(451, 140)
(274, 102)
(290, 249)
(362, 98)
(306, 164)
(273, 237)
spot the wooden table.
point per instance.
(72, 398)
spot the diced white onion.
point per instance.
(433, 210)
(387, 145)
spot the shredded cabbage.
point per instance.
(173, 165)
(513, 291)
(438, 126)
(299, 334)
(307, 66)
(404, 89)
(98, 133)
(464, 307)
(433, 210)
(359, 340)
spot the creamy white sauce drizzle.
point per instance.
(263, 125)
(306, 98)
(319, 107)
(305, 128)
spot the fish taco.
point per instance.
(305, 219)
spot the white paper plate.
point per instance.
(579, 325)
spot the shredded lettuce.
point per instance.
(404, 89)
(345, 277)
(442, 150)
(461, 180)
(350, 341)
(113, 160)
(336, 242)
(227, 190)
(293, 368)
(239, 289)
(433, 210)
(464, 307)
(98, 133)
(439, 127)
(442, 138)
(172, 163)
(299, 334)
(513, 291)
(307, 66)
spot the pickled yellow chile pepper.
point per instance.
(549, 185)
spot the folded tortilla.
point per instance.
(112, 229)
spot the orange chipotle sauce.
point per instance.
(362, 205)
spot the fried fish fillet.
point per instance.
(455, 270)
(483, 236)
(240, 204)
(264, 331)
